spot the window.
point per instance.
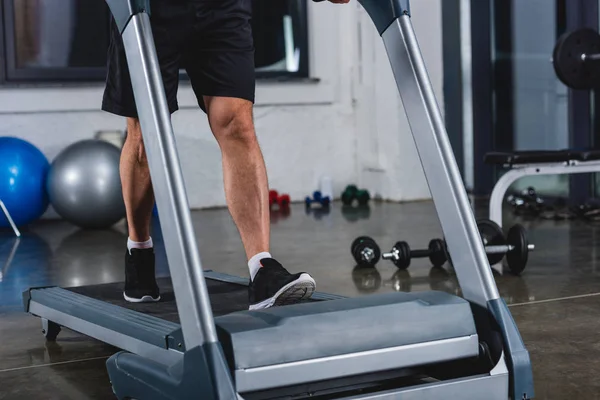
(55, 40)
(48, 41)
(280, 37)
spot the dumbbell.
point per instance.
(348, 194)
(363, 197)
(283, 201)
(352, 193)
(365, 251)
(515, 245)
(401, 254)
(318, 198)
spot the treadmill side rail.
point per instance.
(193, 377)
(123, 328)
(517, 356)
(27, 296)
(354, 364)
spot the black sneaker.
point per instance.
(273, 285)
(140, 282)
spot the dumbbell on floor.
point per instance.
(319, 199)
(282, 201)
(515, 245)
(352, 193)
(401, 254)
(365, 251)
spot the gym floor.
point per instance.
(555, 302)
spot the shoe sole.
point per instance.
(292, 293)
(143, 299)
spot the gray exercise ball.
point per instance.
(84, 185)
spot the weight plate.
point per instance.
(517, 258)
(358, 240)
(403, 261)
(359, 244)
(437, 252)
(492, 235)
(448, 258)
(567, 61)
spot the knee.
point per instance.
(135, 141)
(231, 126)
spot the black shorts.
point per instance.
(210, 39)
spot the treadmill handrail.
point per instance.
(185, 266)
(445, 183)
(385, 12)
(435, 151)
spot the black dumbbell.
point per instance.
(401, 254)
(365, 251)
(515, 245)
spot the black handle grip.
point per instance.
(420, 253)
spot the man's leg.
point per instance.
(247, 194)
(140, 281)
(244, 172)
(136, 184)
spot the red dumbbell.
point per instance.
(282, 201)
(273, 196)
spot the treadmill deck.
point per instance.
(225, 298)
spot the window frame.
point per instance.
(4, 60)
(303, 69)
(39, 75)
(11, 75)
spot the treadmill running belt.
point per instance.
(225, 298)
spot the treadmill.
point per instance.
(202, 342)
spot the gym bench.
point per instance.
(536, 162)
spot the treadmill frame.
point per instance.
(146, 335)
(204, 354)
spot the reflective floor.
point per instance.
(555, 302)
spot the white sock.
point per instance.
(254, 263)
(139, 245)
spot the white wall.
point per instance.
(350, 125)
(387, 158)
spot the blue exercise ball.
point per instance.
(23, 172)
(84, 184)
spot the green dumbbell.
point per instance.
(349, 194)
(363, 197)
